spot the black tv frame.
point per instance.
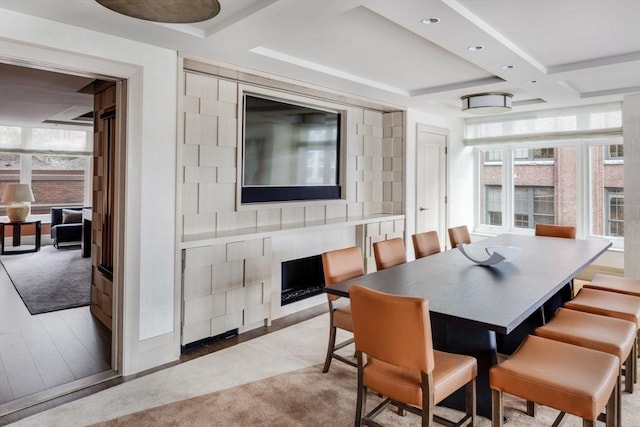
(267, 194)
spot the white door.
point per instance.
(431, 180)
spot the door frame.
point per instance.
(444, 206)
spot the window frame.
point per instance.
(584, 184)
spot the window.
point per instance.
(57, 164)
(533, 205)
(614, 211)
(533, 154)
(614, 152)
(490, 167)
(493, 194)
(553, 167)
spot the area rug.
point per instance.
(310, 398)
(50, 279)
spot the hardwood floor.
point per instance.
(44, 351)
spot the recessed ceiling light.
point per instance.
(430, 21)
(476, 47)
(532, 82)
(508, 67)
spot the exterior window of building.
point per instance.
(493, 194)
(491, 190)
(606, 172)
(614, 211)
(533, 154)
(533, 205)
(614, 152)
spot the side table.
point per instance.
(17, 237)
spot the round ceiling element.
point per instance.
(487, 103)
(170, 11)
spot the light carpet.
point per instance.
(307, 397)
(51, 279)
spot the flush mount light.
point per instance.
(475, 47)
(170, 11)
(508, 67)
(429, 21)
(487, 103)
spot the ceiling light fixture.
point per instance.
(429, 21)
(475, 47)
(170, 11)
(508, 67)
(487, 103)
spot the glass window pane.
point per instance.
(57, 181)
(490, 186)
(607, 190)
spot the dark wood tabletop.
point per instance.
(497, 298)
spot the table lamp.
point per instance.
(17, 196)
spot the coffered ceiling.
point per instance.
(561, 52)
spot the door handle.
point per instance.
(423, 209)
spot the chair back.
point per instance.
(564, 231)
(459, 235)
(391, 328)
(389, 253)
(341, 265)
(425, 244)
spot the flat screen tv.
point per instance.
(290, 152)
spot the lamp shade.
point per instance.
(17, 196)
(486, 103)
(170, 11)
(17, 193)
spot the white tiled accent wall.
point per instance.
(227, 284)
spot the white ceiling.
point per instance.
(577, 51)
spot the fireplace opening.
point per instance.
(302, 278)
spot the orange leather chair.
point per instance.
(459, 235)
(425, 244)
(394, 332)
(621, 285)
(564, 231)
(338, 266)
(567, 377)
(602, 333)
(389, 253)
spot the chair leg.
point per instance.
(330, 348)
(613, 405)
(362, 394)
(470, 401)
(497, 414)
(427, 399)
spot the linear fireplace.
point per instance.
(301, 278)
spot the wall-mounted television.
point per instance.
(290, 152)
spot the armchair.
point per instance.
(66, 224)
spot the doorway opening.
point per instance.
(60, 152)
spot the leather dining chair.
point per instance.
(459, 235)
(570, 378)
(389, 253)
(338, 266)
(394, 332)
(425, 244)
(564, 231)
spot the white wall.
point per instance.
(148, 332)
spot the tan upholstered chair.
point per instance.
(566, 377)
(564, 231)
(425, 244)
(611, 304)
(602, 333)
(389, 253)
(338, 266)
(459, 235)
(394, 332)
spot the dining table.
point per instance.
(474, 308)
